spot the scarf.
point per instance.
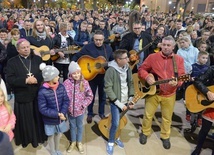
(14, 42)
(54, 87)
(41, 35)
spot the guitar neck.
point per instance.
(145, 48)
(185, 77)
(123, 113)
(162, 81)
(61, 49)
(70, 52)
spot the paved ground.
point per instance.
(182, 142)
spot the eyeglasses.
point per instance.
(137, 28)
(123, 58)
(206, 34)
(161, 29)
(98, 39)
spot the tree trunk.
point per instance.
(95, 5)
(186, 3)
(177, 4)
(82, 6)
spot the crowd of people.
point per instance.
(35, 52)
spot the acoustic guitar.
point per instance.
(144, 89)
(105, 124)
(134, 56)
(90, 67)
(196, 101)
(70, 50)
(45, 51)
(113, 37)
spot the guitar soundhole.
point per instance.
(206, 102)
(98, 65)
(106, 127)
(145, 90)
(142, 88)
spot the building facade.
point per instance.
(199, 6)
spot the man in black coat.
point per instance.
(25, 77)
(137, 40)
(26, 30)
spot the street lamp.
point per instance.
(128, 2)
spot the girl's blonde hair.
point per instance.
(6, 103)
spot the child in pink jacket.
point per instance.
(7, 117)
(80, 96)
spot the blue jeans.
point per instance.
(76, 128)
(115, 120)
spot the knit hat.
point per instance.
(73, 67)
(48, 72)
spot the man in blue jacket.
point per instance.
(94, 50)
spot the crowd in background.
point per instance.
(193, 34)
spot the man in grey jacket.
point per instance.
(119, 88)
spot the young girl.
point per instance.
(80, 95)
(53, 105)
(7, 116)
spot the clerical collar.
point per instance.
(24, 57)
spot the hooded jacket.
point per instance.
(115, 90)
(79, 100)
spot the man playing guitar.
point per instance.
(136, 40)
(161, 64)
(96, 49)
(208, 114)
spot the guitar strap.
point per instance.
(140, 44)
(104, 48)
(175, 66)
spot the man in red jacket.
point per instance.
(160, 65)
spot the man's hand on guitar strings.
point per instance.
(61, 54)
(37, 53)
(210, 95)
(150, 80)
(173, 82)
(130, 105)
(124, 108)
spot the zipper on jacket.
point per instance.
(74, 96)
(57, 103)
